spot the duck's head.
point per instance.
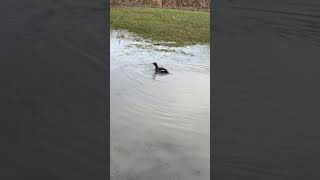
(155, 64)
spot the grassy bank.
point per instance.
(169, 25)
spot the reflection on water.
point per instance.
(159, 123)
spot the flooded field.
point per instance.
(160, 124)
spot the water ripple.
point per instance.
(168, 109)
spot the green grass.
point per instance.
(166, 25)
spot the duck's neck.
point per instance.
(156, 65)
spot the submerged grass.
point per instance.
(165, 25)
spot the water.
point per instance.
(160, 124)
(266, 90)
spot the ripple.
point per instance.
(157, 109)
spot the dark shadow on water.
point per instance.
(159, 74)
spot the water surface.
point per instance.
(160, 124)
(266, 90)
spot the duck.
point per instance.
(160, 69)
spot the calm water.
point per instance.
(266, 90)
(160, 124)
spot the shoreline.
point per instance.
(164, 25)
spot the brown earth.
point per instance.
(199, 4)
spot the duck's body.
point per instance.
(160, 69)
